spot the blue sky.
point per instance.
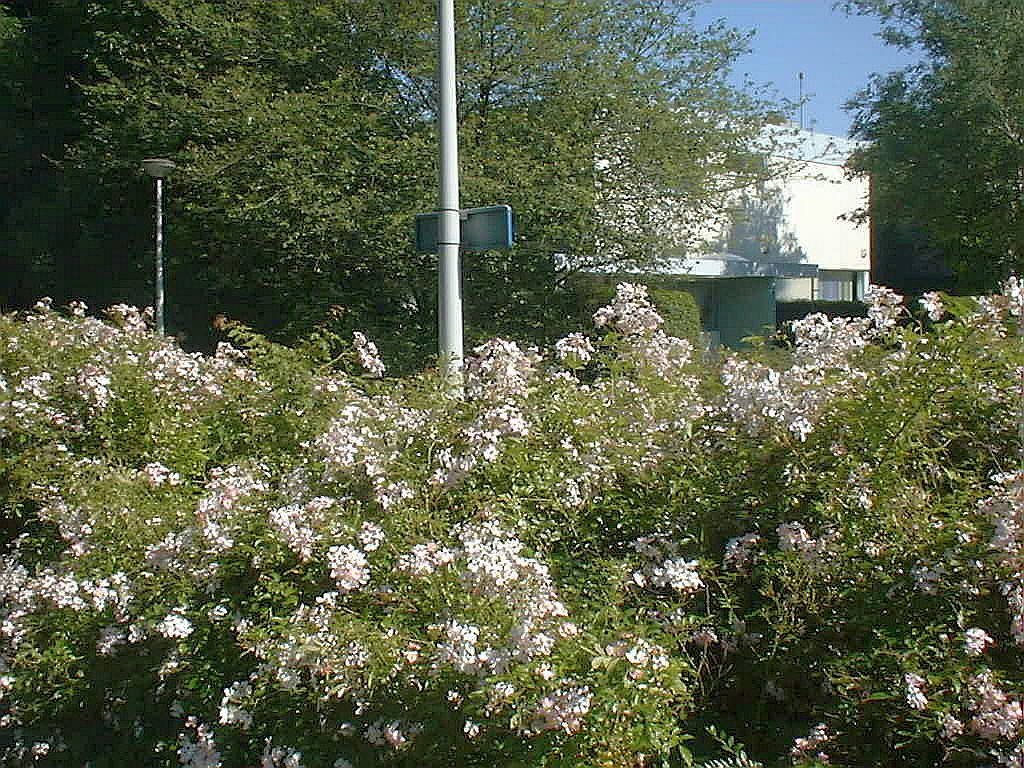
(837, 53)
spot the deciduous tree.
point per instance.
(304, 136)
(946, 136)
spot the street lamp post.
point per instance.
(449, 236)
(159, 169)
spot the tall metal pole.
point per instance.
(448, 240)
(801, 101)
(159, 168)
(160, 256)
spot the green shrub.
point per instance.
(593, 558)
(681, 313)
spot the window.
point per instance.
(836, 285)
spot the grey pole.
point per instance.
(160, 256)
(448, 240)
(159, 169)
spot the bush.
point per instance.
(680, 311)
(676, 306)
(605, 554)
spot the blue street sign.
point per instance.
(482, 229)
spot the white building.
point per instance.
(788, 238)
(803, 216)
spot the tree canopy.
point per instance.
(303, 133)
(946, 136)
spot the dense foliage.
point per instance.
(303, 132)
(609, 553)
(946, 151)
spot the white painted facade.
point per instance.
(802, 215)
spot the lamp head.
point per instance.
(158, 168)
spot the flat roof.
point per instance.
(716, 265)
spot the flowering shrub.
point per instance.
(607, 554)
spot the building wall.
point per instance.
(803, 215)
(819, 200)
(732, 308)
(746, 307)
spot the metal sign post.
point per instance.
(450, 230)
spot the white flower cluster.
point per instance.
(499, 371)
(110, 639)
(34, 401)
(200, 752)
(993, 311)
(499, 376)
(884, 306)
(1006, 510)
(156, 474)
(483, 438)
(393, 733)
(310, 647)
(1013, 293)
(368, 355)
(424, 559)
(349, 567)
(619, 429)
(804, 747)
(280, 757)
(996, 715)
(759, 396)
(231, 711)
(369, 437)
(563, 710)
(630, 312)
(976, 640)
(171, 553)
(219, 506)
(459, 647)
(830, 343)
(914, 691)
(667, 357)
(793, 537)
(22, 594)
(663, 568)
(370, 536)
(174, 625)
(645, 658)
(190, 379)
(129, 318)
(75, 524)
(741, 552)
(931, 302)
(298, 525)
(93, 383)
(951, 726)
(645, 345)
(574, 349)
(495, 567)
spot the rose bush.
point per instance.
(612, 553)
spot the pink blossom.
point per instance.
(976, 641)
(368, 355)
(349, 567)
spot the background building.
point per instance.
(792, 238)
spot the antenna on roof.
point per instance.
(801, 101)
